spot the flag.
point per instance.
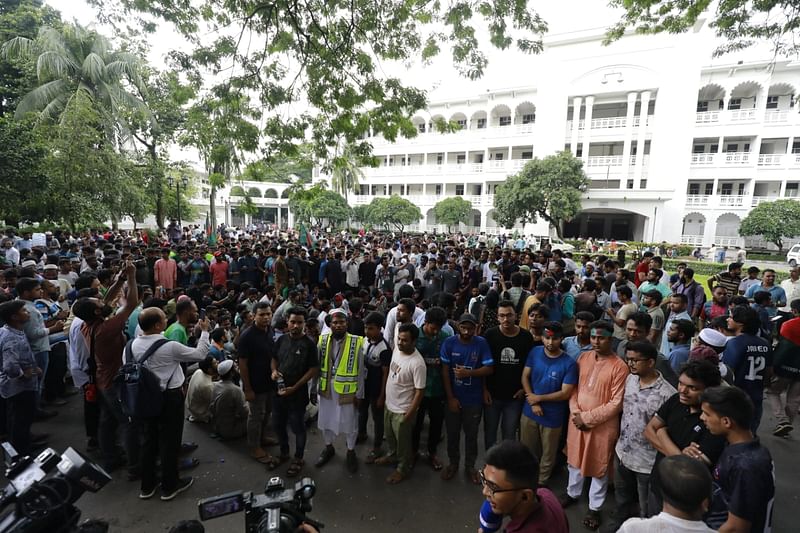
(210, 233)
(305, 236)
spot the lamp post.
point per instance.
(172, 181)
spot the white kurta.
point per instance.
(333, 416)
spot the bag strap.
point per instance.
(152, 349)
(129, 352)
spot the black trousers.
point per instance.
(162, 438)
(434, 407)
(56, 370)
(20, 409)
(115, 425)
(364, 408)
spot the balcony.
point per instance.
(432, 137)
(728, 159)
(604, 161)
(608, 123)
(770, 160)
(732, 201)
(776, 116)
(501, 165)
(742, 115)
(761, 199)
(477, 200)
(712, 201)
(694, 240)
(745, 116)
(697, 200)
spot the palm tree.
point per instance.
(72, 60)
(347, 175)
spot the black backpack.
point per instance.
(136, 387)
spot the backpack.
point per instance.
(136, 387)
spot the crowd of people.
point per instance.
(620, 372)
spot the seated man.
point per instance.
(509, 482)
(198, 394)
(228, 408)
(686, 490)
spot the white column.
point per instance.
(290, 218)
(484, 214)
(782, 192)
(587, 129)
(789, 145)
(278, 216)
(425, 158)
(626, 147)
(576, 118)
(228, 213)
(640, 139)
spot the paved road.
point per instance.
(359, 503)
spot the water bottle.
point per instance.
(281, 383)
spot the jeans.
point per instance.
(258, 419)
(467, 418)
(42, 361)
(162, 438)
(20, 409)
(434, 406)
(543, 442)
(631, 487)
(291, 413)
(502, 413)
(784, 411)
(364, 409)
(398, 438)
(112, 419)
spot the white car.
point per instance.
(793, 256)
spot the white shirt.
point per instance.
(78, 354)
(792, 290)
(663, 523)
(199, 396)
(12, 256)
(165, 362)
(407, 374)
(391, 323)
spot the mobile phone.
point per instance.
(202, 314)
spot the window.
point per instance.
(498, 156)
(364, 190)
(438, 190)
(505, 121)
(732, 148)
(529, 118)
(741, 189)
(527, 155)
(439, 159)
(727, 189)
(391, 161)
(459, 190)
(791, 190)
(735, 103)
(796, 147)
(461, 159)
(698, 149)
(702, 107)
(643, 184)
(579, 152)
(709, 189)
(403, 161)
(462, 124)
(478, 189)
(629, 184)
(714, 149)
(694, 189)
(481, 123)
(746, 147)
(479, 158)
(421, 128)
(772, 102)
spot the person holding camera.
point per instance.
(162, 434)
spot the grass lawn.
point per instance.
(703, 280)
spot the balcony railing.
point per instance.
(707, 117)
(761, 199)
(695, 240)
(604, 161)
(743, 115)
(450, 168)
(697, 200)
(770, 160)
(609, 123)
(703, 159)
(723, 240)
(773, 116)
(731, 201)
(737, 158)
(477, 200)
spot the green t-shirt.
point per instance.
(429, 349)
(176, 332)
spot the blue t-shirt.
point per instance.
(748, 356)
(678, 356)
(475, 354)
(548, 374)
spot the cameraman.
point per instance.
(162, 434)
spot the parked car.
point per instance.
(793, 256)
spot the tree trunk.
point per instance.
(114, 222)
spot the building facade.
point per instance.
(678, 147)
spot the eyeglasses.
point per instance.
(634, 361)
(494, 489)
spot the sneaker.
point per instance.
(183, 484)
(147, 494)
(781, 430)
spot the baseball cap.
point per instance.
(466, 318)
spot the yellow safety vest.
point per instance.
(345, 377)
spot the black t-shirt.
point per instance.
(356, 327)
(295, 357)
(257, 347)
(744, 485)
(685, 427)
(378, 357)
(509, 354)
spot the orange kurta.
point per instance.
(598, 399)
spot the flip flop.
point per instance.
(395, 477)
(435, 463)
(592, 520)
(373, 456)
(295, 467)
(449, 471)
(274, 462)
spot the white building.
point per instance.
(678, 147)
(271, 199)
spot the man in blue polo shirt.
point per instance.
(466, 360)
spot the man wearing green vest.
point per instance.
(341, 387)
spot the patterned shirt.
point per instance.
(638, 407)
(15, 357)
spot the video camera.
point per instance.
(278, 510)
(34, 500)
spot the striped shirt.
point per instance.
(730, 282)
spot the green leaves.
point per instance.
(774, 221)
(549, 188)
(386, 212)
(452, 211)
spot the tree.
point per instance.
(281, 168)
(329, 206)
(741, 23)
(23, 152)
(549, 188)
(452, 211)
(361, 215)
(71, 61)
(394, 211)
(247, 207)
(300, 199)
(335, 49)
(774, 221)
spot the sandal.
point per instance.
(435, 463)
(386, 460)
(373, 456)
(295, 467)
(449, 471)
(566, 500)
(264, 458)
(395, 478)
(274, 462)
(592, 520)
